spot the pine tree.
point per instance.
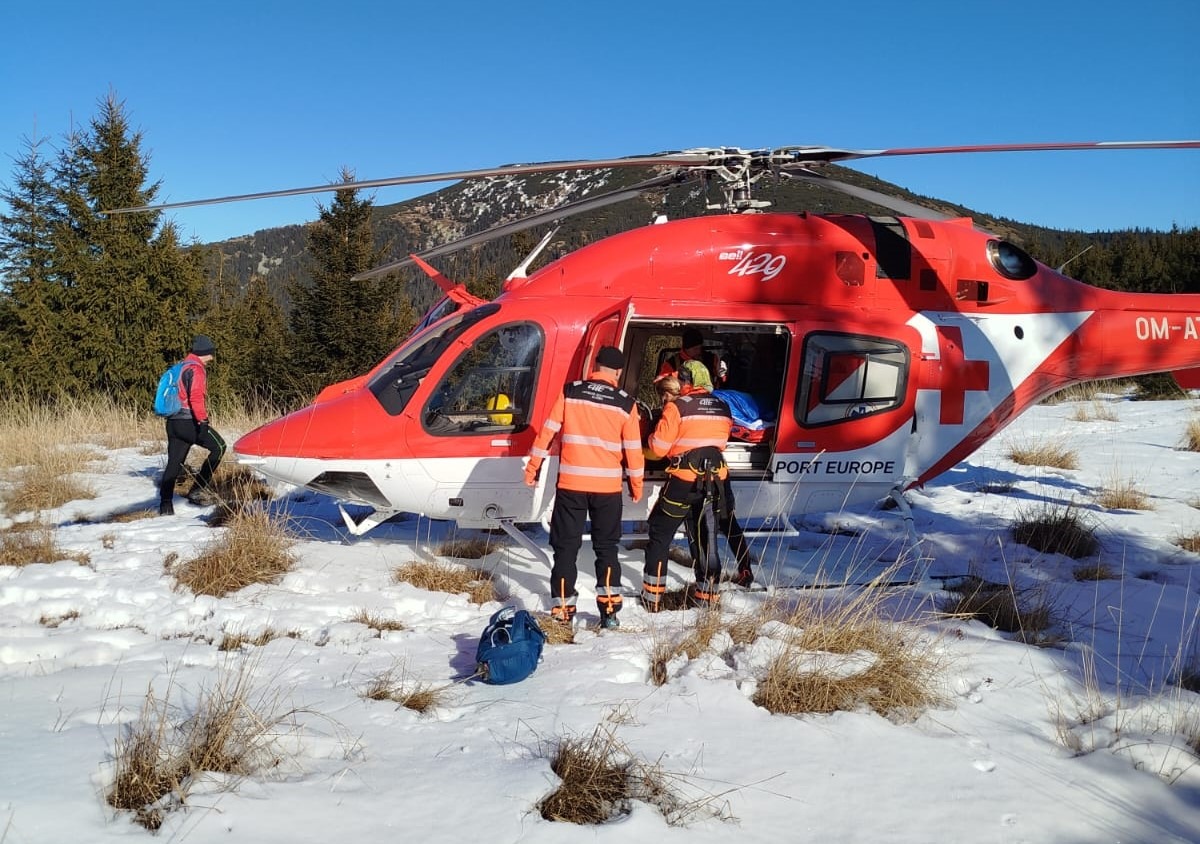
(130, 293)
(28, 302)
(342, 328)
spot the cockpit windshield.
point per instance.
(394, 384)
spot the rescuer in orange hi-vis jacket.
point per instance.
(692, 435)
(598, 423)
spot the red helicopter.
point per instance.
(867, 355)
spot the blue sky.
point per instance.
(237, 97)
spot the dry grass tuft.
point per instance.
(556, 632)
(478, 585)
(1191, 436)
(48, 483)
(1096, 571)
(1056, 529)
(1026, 613)
(473, 548)
(1054, 455)
(846, 655)
(254, 549)
(33, 542)
(239, 485)
(1092, 410)
(132, 516)
(53, 621)
(235, 641)
(1123, 494)
(596, 782)
(395, 685)
(232, 730)
(1189, 542)
(377, 622)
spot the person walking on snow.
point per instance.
(598, 423)
(189, 427)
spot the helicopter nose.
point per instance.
(347, 427)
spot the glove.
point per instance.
(202, 429)
(531, 473)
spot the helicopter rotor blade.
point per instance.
(802, 155)
(686, 157)
(901, 206)
(555, 214)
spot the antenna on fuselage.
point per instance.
(1063, 265)
(523, 267)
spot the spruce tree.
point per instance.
(130, 293)
(29, 332)
(341, 327)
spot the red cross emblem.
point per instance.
(957, 374)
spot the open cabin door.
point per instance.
(608, 329)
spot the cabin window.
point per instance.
(489, 389)
(396, 381)
(847, 377)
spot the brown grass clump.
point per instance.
(473, 548)
(1123, 495)
(1093, 409)
(235, 641)
(1054, 455)
(53, 621)
(157, 757)
(404, 691)
(1096, 571)
(847, 655)
(706, 624)
(254, 549)
(1190, 542)
(1026, 613)
(595, 774)
(33, 542)
(556, 632)
(1191, 436)
(132, 516)
(1056, 530)
(377, 622)
(478, 585)
(48, 483)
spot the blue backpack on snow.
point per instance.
(510, 647)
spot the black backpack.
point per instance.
(510, 647)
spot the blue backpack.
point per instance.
(166, 396)
(510, 647)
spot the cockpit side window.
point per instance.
(396, 381)
(846, 377)
(489, 389)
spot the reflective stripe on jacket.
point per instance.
(697, 420)
(599, 424)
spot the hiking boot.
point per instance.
(610, 622)
(563, 615)
(743, 578)
(648, 605)
(703, 595)
(166, 508)
(201, 497)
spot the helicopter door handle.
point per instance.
(502, 443)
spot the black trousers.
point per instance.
(682, 501)
(572, 509)
(182, 434)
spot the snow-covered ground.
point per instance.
(1084, 742)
